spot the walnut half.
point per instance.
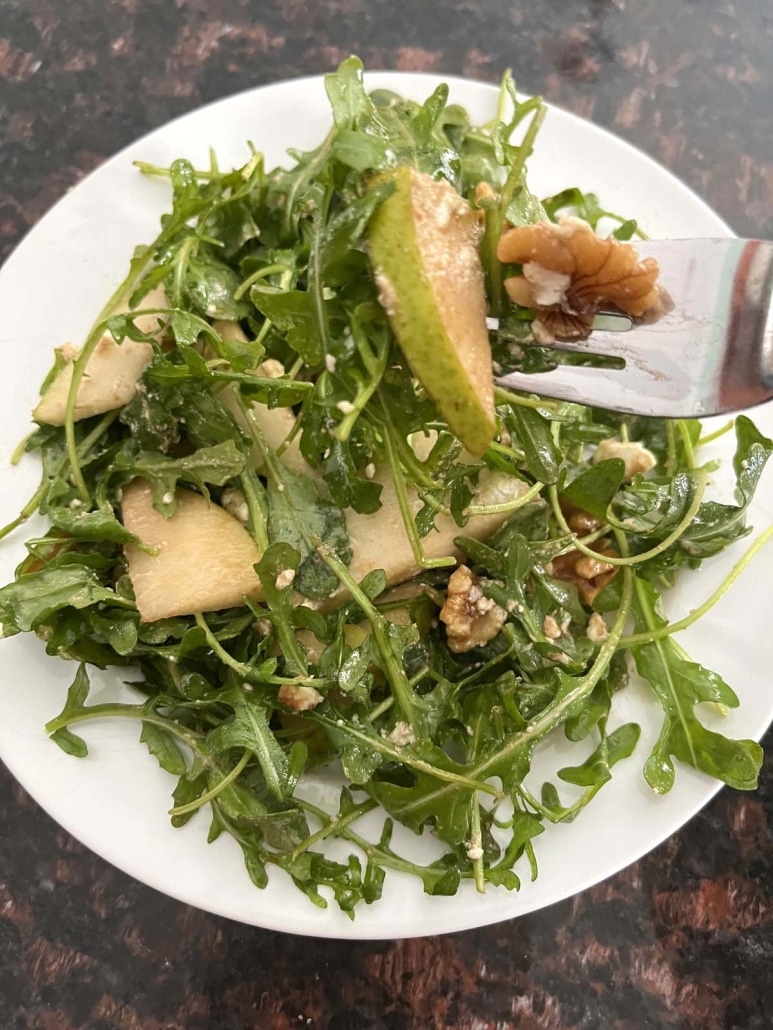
(570, 273)
(471, 618)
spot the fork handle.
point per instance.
(750, 330)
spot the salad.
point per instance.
(281, 484)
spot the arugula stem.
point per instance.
(496, 214)
(410, 704)
(508, 452)
(557, 711)
(503, 396)
(378, 711)
(386, 858)
(78, 368)
(184, 253)
(249, 672)
(505, 506)
(375, 368)
(433, 502)
(476, 842)
(21, 448)
(716, 434)
(263, 273)
(636, 559)
(334, 825)
(689, 451)
(568, 813)
(697, 613)
(315, 284)
(666, 669)
(116, 710)
(213, 792)
(672, 458)
(404, 504)
(404, 757)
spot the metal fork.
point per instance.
(712, 353)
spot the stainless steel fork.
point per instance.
(712, 353)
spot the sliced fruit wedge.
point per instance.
(423, 242)
(204, 556)
(110, 378)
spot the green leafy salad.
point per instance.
(281, 484)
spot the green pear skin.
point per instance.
(423, 244)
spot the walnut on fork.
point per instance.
(570, 273)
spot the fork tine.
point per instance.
(626, 389)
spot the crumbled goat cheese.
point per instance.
(548, 287)
(550, 628)
(401, 735)
(235, 504)
(597, 628)
(285, 578)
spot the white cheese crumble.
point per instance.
(550, 628)
(548, 288)
(597, 628)
(370, 470)
(235, 504)
(285, 578)
(345, 407)
(330, 363)
(401, 735)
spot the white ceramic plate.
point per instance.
(116, 800)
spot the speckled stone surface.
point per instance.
(683, 938)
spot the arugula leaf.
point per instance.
(163, 747)
(716, 525)
(91, 525)
(297, 515)
(214, 466)
(594, 489)
(293, 313)
(68, 741)
(33, 598)
(680, 685)
(249, 729)
(532, 433)
(210, 285)
(347, 489)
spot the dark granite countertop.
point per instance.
(683, 938)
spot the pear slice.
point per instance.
(276, 424)
(423, 242)
(379, 540)
(110, 378)
(204, 559)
